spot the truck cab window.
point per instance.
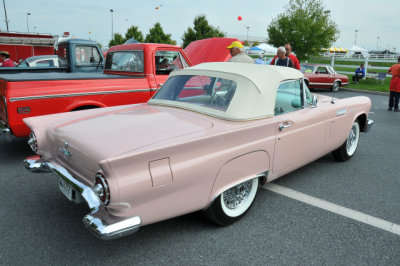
(166, 61)
(131, 61)
(86, 55)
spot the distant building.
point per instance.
(251, 39)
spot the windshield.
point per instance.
(125, 61)
(307, 68)
(205, 91)
(23, 64)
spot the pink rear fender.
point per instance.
(238, 170)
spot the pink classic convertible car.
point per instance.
(206, 141)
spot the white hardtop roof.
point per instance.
(255, 94)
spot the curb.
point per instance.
(365, 91)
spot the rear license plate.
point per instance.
(66, 189)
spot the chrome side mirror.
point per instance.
(314, 101)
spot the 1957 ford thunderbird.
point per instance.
(206, 141)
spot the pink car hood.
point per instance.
(111, 133)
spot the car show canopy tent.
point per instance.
(268, 49)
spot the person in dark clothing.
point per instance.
(359, 73)
(282, 60)
(394, 95)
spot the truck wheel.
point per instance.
(233, 203)
(349, 147)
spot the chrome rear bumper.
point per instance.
(98, 221)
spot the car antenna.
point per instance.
(332, 101)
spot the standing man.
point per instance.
(394, 95)
(237, 53)
(281, 59)
(288, 53)
(359, 73)
(5, 58)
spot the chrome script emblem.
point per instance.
(65, 150)
(341, 112)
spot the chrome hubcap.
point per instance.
(335, 86)
(235, 196)
(351, 140)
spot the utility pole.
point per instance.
(355, 38)
(112, 24)
(27, 20)
(5, 14)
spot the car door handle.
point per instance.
(284, 125)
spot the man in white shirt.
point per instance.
(237, 54)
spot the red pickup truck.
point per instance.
(132, 74)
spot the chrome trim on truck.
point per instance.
(74, 95)
(98, 221)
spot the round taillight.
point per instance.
(101, 189)
(32, 141)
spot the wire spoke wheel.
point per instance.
(349, 147)
(233, 203)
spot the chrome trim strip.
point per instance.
(74, 95)
(99, 221)
(314, 83)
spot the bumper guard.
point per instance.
(368, 125)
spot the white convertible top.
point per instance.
(255, 93)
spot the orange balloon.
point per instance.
(239, 18)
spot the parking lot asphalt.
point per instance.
(39, 226)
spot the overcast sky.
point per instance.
(371, 18)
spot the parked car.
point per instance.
(206, 141)
(41, 61)
(321, 76)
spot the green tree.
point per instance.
(135, 33)
(157, 35)
(201, 30)
(306, 25)
(118, 39)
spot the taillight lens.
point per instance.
(102, 189)
(32, 141)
